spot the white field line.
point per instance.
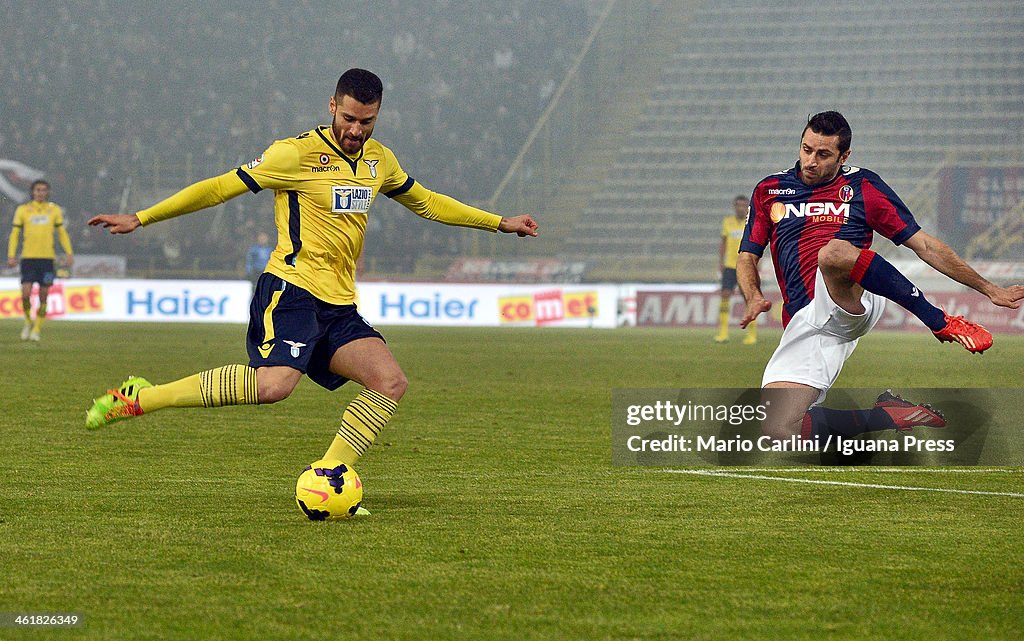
(871, 469)
(785, 479)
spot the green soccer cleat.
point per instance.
(117, 404)
(361, 511)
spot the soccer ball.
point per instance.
(328, 490)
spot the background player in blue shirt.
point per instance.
(257, 257)
(819, 218)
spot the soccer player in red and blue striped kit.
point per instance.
(819, 219)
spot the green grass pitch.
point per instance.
(496, 511)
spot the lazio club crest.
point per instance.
(294, 347)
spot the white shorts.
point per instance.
(819, 339)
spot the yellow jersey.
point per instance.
(732, 234)
(38, 221)
(322, 199)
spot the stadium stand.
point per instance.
(674, 107)
(126, 106)
(922, 83)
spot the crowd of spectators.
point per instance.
(121, 103)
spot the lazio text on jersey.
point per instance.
(320, 207)
(798, 220)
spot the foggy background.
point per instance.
(643, 119)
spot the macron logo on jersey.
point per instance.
(348, 199)
(781, 211)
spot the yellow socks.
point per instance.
(723, 319)
(40, 316)
(362, 421)
(228, 385)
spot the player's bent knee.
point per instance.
(394, 386)
(274, 387)
(780, 430)
(837, 254)
(272, 393)
(785, 411)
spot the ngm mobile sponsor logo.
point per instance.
(820, 212)
(544, 308)
(60, 301)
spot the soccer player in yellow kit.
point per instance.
(303, 318)
(732, 234)
(37, 220)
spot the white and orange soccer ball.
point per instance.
(328, 491)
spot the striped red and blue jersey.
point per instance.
(798, 220)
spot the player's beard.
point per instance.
(818, 177)
(349, 144)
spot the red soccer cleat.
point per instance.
(975, 338)
(907, 415)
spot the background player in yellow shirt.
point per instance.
(37, 220)
(303, 319)
(732, 234)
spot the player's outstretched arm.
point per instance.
(750, 285)
(116, 223)
(445, 209)
(203, 194)
(942, 257)
(522, 225)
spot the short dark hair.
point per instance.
(361, 84)
(739, 198)
(830, 123)
(32, 187)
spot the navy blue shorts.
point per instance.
(729, 279)
(289, 326)
(37, 270)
